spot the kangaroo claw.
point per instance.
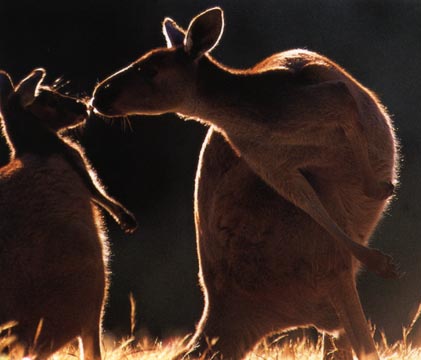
(128, 223)
(382, 265)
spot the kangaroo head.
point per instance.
(58, 111)
(163, 80)
(42, 103)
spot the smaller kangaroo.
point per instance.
(55, 112)
(53, 251)
(293, 178)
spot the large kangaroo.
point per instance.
(53, 254)
(294, 125)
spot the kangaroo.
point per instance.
(53, 258)
(271, 114)
(55, 112)
(295, 125)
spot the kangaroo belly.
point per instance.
(53, 254)
(252, 237)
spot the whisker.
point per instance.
(60, 83)
(57, 82)
(107, 120)
(126, 121)
(129, 123)
(123, 125)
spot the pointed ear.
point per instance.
(6, 86)
(204, 32)
(174, 34)
(28, 87)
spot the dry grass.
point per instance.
(279, 349)
(283, 347)
(289, 350)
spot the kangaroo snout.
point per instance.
(104, 98)
(76, 111)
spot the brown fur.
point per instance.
(297, 126)
(53, 258)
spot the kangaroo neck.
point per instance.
(235, 101)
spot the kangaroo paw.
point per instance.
(128, 222)
(382, 264)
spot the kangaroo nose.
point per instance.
(103, 99)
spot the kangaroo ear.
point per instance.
(6, 86)
(28, 87)
(204, 32)
(174, 34)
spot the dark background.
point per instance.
(151, 168)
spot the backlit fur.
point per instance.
(293, 178)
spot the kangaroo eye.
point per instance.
(149, 73)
